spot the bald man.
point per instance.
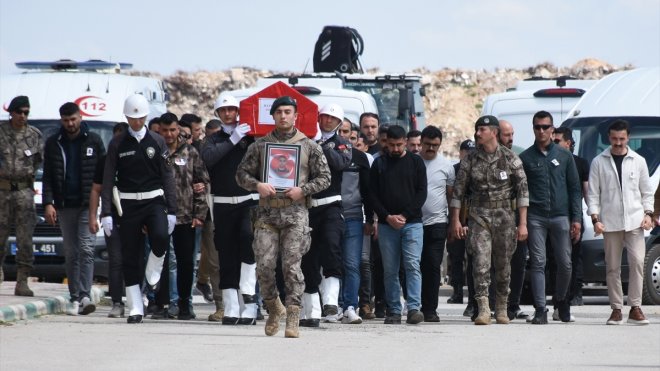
(520, 255)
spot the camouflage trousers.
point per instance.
(281, 232)
(17, 208)
(491, 238)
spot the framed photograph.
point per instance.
(282, 165)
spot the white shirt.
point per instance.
(620, 208)
(138, 135)
(439, 175)
(228, 128)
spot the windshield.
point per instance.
(391, 100)
(590, 134)
(51, 127)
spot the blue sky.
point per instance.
(165, 36)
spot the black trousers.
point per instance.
(327, 225)
(456, 255)
(377, 273)
(151, 214)
(433, 249)
(518, 262)
(233, 240)
(183, 239)
(115, 265)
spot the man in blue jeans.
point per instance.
(554, 210)
(398, 191)
(354, 194)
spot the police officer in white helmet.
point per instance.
(232, 204)
(138, 181)
(322, 265)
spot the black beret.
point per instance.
(283, 101)
(487, 121)
(18, 102)
(467, 145)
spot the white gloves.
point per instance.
(171, 222)
(239, 132)
(106, 224)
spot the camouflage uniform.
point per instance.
(496, 183)
(21, 155)
(281, 226)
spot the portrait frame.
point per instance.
(282, 165)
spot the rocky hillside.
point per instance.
(454, 97)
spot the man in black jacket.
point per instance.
(70, 158)
(398, 190)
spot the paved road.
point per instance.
(95, 342)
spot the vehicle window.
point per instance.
(591, 137)
(387, 96)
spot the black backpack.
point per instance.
(337, 50)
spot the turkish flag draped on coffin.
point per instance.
(255, 110)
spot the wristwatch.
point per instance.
(595, 219)
(649, 213)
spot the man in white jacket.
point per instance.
(621, 205)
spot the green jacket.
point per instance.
(554, 185)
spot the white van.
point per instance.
(635, 97)
(518, 105)
(99, 88)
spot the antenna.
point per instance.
(107, 86)
(306, 64)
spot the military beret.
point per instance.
(487, 121)
(467, 145)
(18, 102)
(283, 101)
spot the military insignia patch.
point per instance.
(151, 152)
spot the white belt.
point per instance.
(235, 199)
(141, 195)
(325, 201)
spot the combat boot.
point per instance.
(483, 318)
(276, 312)
(219, 312)
(22, 288)
(501, 314)
(292, 318)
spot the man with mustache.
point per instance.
(621, 205)
(440, 178)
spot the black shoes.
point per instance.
(455, 298)
(515, 312)
(230, 321)
(247, 321)
(393, 319)
(159, 313)
(379, 310)
(206, 291)
(469, 310)
(414, 317)
(431, 317)
(564, 309)
(137, 318)
(309, 322)
(540, 316)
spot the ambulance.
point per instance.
(99, 88)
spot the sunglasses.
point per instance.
(542, 127)
(22, 112)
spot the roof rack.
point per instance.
(69, 64)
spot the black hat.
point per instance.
(18, 102)
(467, 145)
(487, 121)
(283, 101)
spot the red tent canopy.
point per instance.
(255, 110)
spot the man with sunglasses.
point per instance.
(554, 210)
(21, 155)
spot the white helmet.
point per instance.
(333, 110)
(225, 100)
(136, 106)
